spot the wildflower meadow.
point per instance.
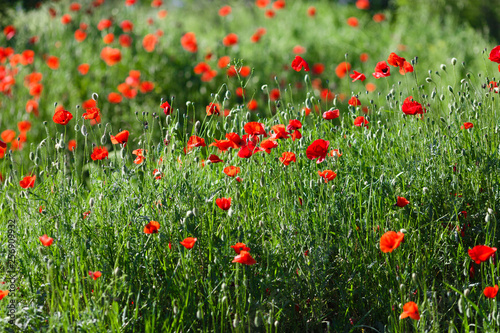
(248, 166)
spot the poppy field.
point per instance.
(258, 166)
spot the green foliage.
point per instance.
(319, 266)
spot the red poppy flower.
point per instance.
(410, 309)
(382, 70)
(491, 292)
(225, 11)
(267, 145)
(230, 40)
(467, 125)
(71, 145)
(391, 241)
(411, 107)
(140, 153)
(9, 31)
(363, 4)
(125, 40)
(357, 76)
(262, 3)
(111, 56)
(188, 42)
(104, 24)
(254, 128)
(214, 159)
(252, 105)
(270, 13)
(166, 108)
(331, 114)
(238, 247)
(335, 153)
(361, 121)
(3, 293)
(223, 203)
(287, 157)
(245, 258)
(24, 126)
(495, 54)
(46, 240)
(152, 227)
(395, 60)
(354, 101)
(327, 175)
(65, 19)
(95, 275)
(83, 69)
(293, 124)
(379, 17)
(188, 242)
(223, 145)
(274, 94)
(8, 135)
(3, 145)
(146, 86)
(62, 117)
(231, 171)
(195, 141)
(353, 22)
(53, 62)
(298, 63)
(279, 132)
(114, 98)
(149, 42)
(318, 149)
(480, 253)
(108, 39)
(213, 108)
(223, 61)
(279, 4)
(28, 182)
(80, 35)
(311, 11)
(406, 68)
(120, 138)
(127, 26)
(99, 153)
(342, 69)
(401, 202)
(91, 113)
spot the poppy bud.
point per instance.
(32, 156)
(236, 321)
(487, 218)
(199, 314)
(189, 214)
(228, 94)
(195, 211)
(276, 323)
(308, 103)
(306, 78)
(258, 320)
(262, 181)
(91, 202)
(77, 127)
(264, 88)
(104, 139)
(84, 130)
(443, 67)
(95, 96)
(453, 61)
(428, 79)
(466, 292)
(450, 88)
(36, 161)
(197, 126)
(490, 211)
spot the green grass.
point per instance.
(345, 283)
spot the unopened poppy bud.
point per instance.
(104, 139)
(84, 130)
(276, 323)
(258, 320)
(461, 305)
(262, 181)
(487, 218)
(177, 126)
(490, 211)
(402, 287)
(450, 88)
(31, 155)
(443, 67)
(453, 61)
(195, 211)
(236, 321)
(91, 202)
(468, 312)
(199, 314)
(306, 78)
(77, 127)
(197, 126)
(261, 223)
(466, 292)
(228, 94)
(264, 88)
(95, 96)
(189, 214)
(308, 103)
(428, 79)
